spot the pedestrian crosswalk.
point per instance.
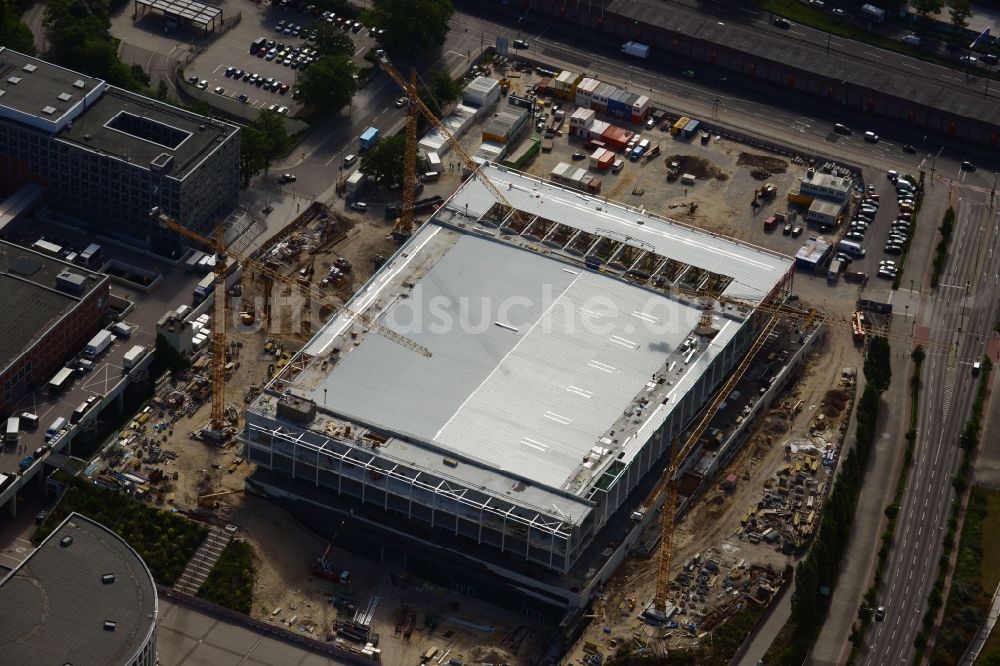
(949, 388)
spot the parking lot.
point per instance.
(266, 78)
(107, 370)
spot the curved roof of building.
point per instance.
(54, 606)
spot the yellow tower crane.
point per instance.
(416, 103)
(404, 224)
(217, 245)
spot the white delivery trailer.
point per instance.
(132, 358)
(13, 426)
(637, 49)
(354, 184)
(98, 344)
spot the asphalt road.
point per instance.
(965, 301)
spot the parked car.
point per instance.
(579, 156)
(359, 205)
(287, 178)
(871, 137)
(968, 166)
(907, 148)
(782, 23)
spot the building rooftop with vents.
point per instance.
(36, 291)
(104, 119)
(83, 597)
(43, 95)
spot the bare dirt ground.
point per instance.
(712, 525)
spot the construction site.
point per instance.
(466, 438)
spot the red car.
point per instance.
(283, 88)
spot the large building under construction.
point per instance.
(570, 345)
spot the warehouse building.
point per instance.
(107, 156)
(83, 597)
(514, 479)
(964, 109)
(51, 310)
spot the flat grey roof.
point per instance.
(29, 298)
(533, 359)
(931, 85)
(40, 85)
(53, 606)
(91, 131)
(558, 371)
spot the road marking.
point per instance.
(874, 55)
(949, 391)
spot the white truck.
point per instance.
(132, 358)
(355, 183)
(98, 344)
(636, 49)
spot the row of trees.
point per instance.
(816, 575)
(959, 10)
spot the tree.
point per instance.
(253, 153)
(927, 7)
(960, 10)
(384, 160)
(272, 128)
(440, 91)
(260, 142)
(332, 41)
(328, 85)
(14, 34)
(412, 26)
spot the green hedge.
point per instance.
(230, 582)
(941, 253)
(164, 540)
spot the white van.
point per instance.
(852, 248)
(122, 330)
(30, 419)
(350, 160)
